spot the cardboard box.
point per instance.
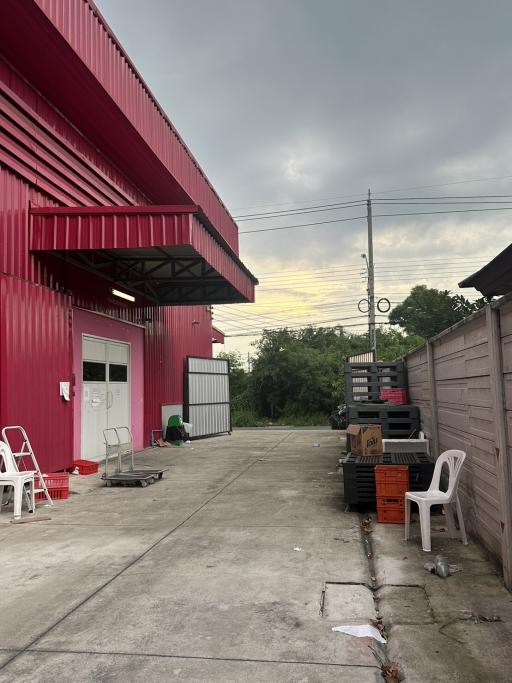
(365, 439)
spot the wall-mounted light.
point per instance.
(122, 295)
(195, 322)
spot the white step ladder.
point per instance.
(27, 452)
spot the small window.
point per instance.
(117, 373)
(94, 372)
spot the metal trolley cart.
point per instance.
(119, 446)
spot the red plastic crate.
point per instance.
(391, 480)
(398, 396)
(57, 484)
(391, 510)
(397, 502)
(391, 516)
(86, 466)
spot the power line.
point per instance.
(303, 225)
(440, 199)
(256, 334)
(391, 202)
(449, 184)
(297, 311)
(261, 307)
(334, 279)
(362, 195)
(303, 209)
(449, 196)
(247, 319)
(321, 273)
(318, 322)
(362, 294)
(432, 213)
(377, 215)
(387, 262)
(289, 314)
(325, 278)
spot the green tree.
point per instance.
(238, 377)
(300, 372)
(467, 307)
(426, 312)
(297, 375)
(393, 344)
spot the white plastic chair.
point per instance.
(434, 496)
(11, 476)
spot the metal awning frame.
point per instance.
(165, 255)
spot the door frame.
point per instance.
(94, 337)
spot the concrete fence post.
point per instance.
(501, 454)
(431, 372)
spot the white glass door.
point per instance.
(105, 392)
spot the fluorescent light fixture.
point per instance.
(122, 295)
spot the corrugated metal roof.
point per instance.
(102, 93)
(217, 336)
(494, 279)
(165, 254)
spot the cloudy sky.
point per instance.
(289, 104)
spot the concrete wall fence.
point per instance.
(462, 382)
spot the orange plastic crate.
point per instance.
(391, 516)
(391, 502)
(391, 480)
(391, 510)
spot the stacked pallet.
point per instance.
(364, 381)
(397, 422)
(359, 474)
(377, 410)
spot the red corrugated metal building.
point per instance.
(98, 192)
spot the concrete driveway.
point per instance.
(232, 568)
(235, 567)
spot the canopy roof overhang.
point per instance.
(495, 278)
(167, 255)
(69, 54)
(217, 335)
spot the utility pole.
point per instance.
(371, 281)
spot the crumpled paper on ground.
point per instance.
(362, 631)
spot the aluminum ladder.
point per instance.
(27, 452)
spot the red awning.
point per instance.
(217, 336)
(166, 254)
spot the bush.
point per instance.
(246, 418)
(249, 418)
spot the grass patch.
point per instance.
(249, 418)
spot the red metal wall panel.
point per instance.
(189, 331)
(30, 122)
(47, 161)
(35, 355)
(218, 336)
(87, 39)
(40, 166)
